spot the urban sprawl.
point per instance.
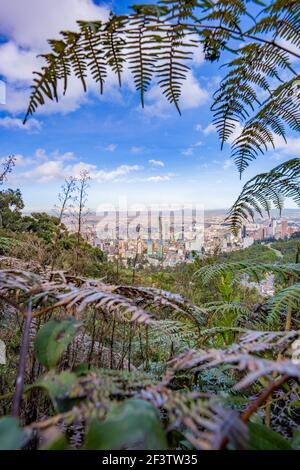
(167, 239)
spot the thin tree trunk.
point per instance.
(22, 362)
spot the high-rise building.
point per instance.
(160, 248)
(284, 228)
(149, 247)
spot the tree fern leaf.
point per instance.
(282, 181)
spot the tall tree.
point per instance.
(81, 200)
(65, 198)
(7, 167)
(11, 205)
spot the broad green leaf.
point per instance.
(11, 435)
(57, 386)
(82, 369)
(133, 424)
(58, 443)
(264, 438)
(53, 338)
(296, 439)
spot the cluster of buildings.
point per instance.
(162, 238)
(218, 237)
(167, 238)
(266, 287)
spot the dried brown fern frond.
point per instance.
(153, 298)
(126, 303)
(198, 416)
(18, 280)
(254, 367)
(259, 341)
(201, 418)
(107, 302)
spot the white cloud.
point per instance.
(199, 56)
(41, 154)
(17, 98)
(188, 152)
(122, 170)
(40, 157)
(27, 28)
(31, 24)
(136, 149)
(210, 129)
(15, 123)
(156, 163)
(56, 170)
(157, 179)
(17, 64)
(192, 96)
(291, 47)
(291, 147)
(46, 172)
(55, 166)
(111, 147)
(228, 163)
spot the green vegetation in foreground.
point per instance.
(101, 355)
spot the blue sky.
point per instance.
(149, 156)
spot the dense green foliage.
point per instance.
(42, 238)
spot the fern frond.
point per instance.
(260, 341)
(252, 268)
(114, 43)
(76, 55)
(125, 303)
(45, 85)
(177, 333)
(15, 279)
(63, 67)
(238, 309)
(92, 44)
(204, 421)
(282, 21)
(264, 189)
(171, 69)
(254, 367)
(151, 297)
(141, 47)
(286, 298)
(281, 109)
(255, 64)
(156, 42)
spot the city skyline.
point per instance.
(168, 239)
